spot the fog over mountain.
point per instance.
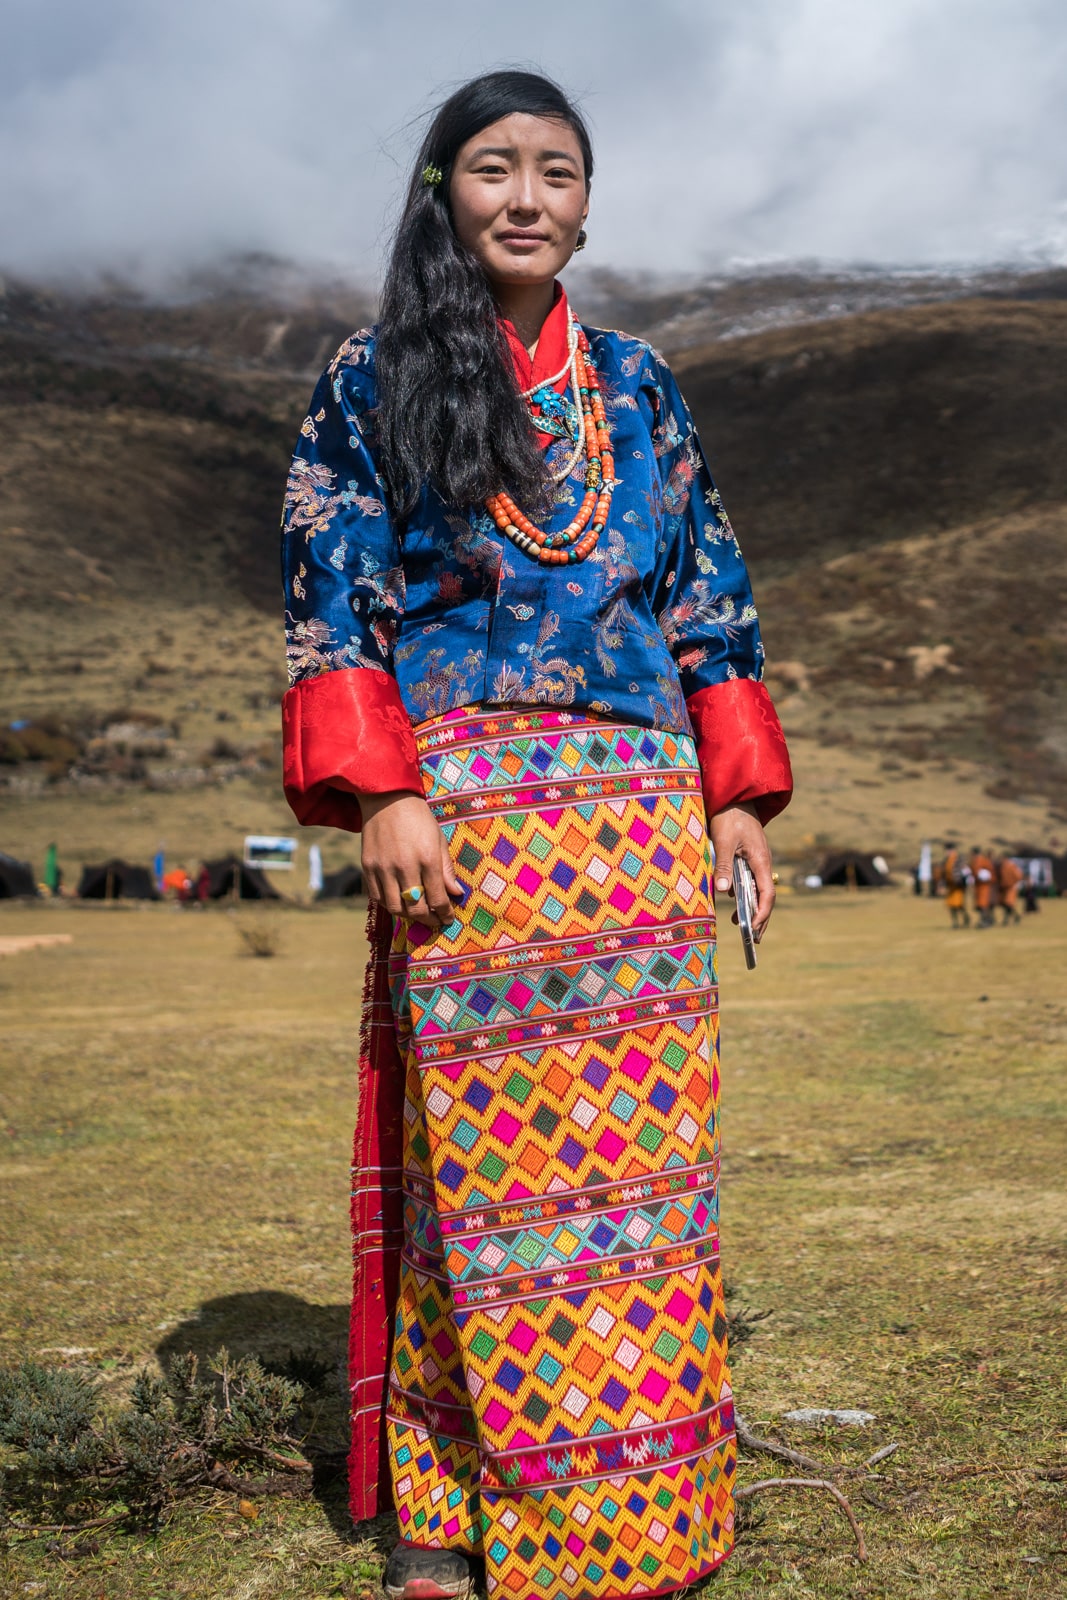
(151, 140)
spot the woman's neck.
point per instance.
(526, 305)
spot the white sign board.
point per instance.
(270, 851)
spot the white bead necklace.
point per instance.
(571, 367)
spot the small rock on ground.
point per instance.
(814, 1416)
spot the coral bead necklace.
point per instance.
(579, 537)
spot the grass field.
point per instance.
(176, 1125)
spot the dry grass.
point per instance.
(260, 936)
(176, 1134)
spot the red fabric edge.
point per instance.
(345, 733)
(551, 350)
(377, 1229)
(741, 748)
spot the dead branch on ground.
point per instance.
(771, 1447)
(749, 1489)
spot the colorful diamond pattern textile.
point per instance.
(559, 1393)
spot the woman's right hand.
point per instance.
(404, 848)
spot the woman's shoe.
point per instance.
(412, 1573)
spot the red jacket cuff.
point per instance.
(740, 747)
(345, 733)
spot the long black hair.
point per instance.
(449, 412)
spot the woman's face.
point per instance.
(519, 197)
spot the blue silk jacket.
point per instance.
(392, 621)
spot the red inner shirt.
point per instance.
(550, 355)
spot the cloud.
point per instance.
(150, 139)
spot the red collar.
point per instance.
(550, 355)
(551, 352)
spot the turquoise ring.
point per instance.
(412, 896)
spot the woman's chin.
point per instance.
(527, 268)
(522, 272)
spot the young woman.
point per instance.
(526, 663)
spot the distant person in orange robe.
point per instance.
(954, 876)
(1009, 877)
(984, 886)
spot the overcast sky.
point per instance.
(150, 136)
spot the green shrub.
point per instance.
(78, 1463)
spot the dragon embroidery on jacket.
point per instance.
(554, 681)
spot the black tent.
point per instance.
(340, 884)
(853, 869)
(232, 878)
(1058, 864)
(117, 880)
(16, 878)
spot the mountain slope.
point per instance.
(898, 480)
(838, 435)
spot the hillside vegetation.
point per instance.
(897, 477)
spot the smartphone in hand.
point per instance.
(745, 896)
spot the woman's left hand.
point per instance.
(737, 831)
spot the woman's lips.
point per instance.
(522, 241)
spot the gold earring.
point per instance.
(580, 242)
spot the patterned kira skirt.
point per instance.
(557, 1395)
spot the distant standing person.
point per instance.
(526, 662)
(955, 876)
(984, 886)
(1009, 877)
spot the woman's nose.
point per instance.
(523, 198)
